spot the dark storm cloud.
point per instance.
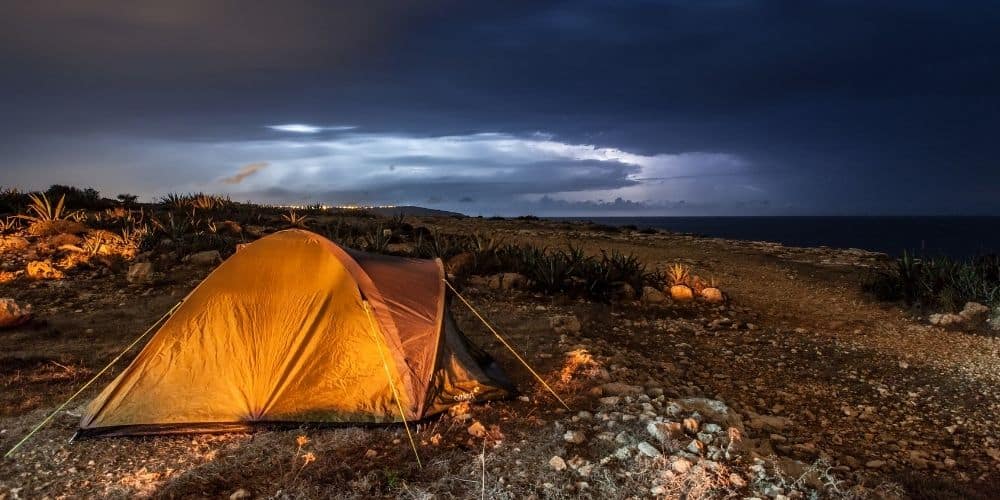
(829, 107)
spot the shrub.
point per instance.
(87, 198)
(939, 282)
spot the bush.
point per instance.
(87, 198)
(938, 282)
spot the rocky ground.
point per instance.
(798, 387)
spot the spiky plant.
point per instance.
(296, 220)
(678, 274)
(45, 211)
(376, 239)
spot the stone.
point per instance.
(575, 437)
(651, 295)
(477, 429)
(681, 293)
(648, 450)
(768, 422)
(691, 425)
(712, 295)
(239, 494)
(681, 465)
(975, 314)
(874, 464)
(565, 325)
(696, 447)
(43, 270)
(12, 314)
(206, 258)
(624, 292)
(229, 227)
(13, 243)
(53, 227)
(557, 463)
(461, 264)
(947, 320)
(662, 431)
(609, 400)
(620, 389)
(140, 272)
(507, 281)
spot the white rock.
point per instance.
(648, 450)
(575, 437)
(557, 463)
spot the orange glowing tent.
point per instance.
(294, 329)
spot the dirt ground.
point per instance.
(874, 393)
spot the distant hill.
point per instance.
(414, 210)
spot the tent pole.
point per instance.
(508, 346)
(392, 385)
(91, 381)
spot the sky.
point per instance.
(613, 108)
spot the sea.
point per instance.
(957, 237)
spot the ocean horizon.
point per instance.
(952, 236)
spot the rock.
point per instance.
(575, 437)
(460, 264)
(13, 243)
(12, 314)
(696, 447)
(651, 295)
(507, 281)
(712, 295)
(609, 400)
(229, 227)
(681, 465)
(206, 258)
(53, 227)
(768, 422)
(43, 270)
(624, 292)
(371, 453)
(648, 450)
(620, 389)
(947, 320)
(691, 425)
(477, 429)
(239, 494)
(662, 431)
(712, 410)
(140, 272)
(557, 463)
(565, 325)
(975, 314)
(874, 464)
(681, 293)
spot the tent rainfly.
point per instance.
(294, 329)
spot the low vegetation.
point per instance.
(938, 283)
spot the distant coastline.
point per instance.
(953, 236)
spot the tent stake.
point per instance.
(388, 376)
(502, 340)
(91, 381)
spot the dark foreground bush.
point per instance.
(938, 283)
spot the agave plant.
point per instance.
(9, 224)
(45, 211)
(377, 239)
(296, 220)
(678, 274)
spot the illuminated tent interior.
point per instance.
(294, 329)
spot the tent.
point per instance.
(294, 329)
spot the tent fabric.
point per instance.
(295, 329)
